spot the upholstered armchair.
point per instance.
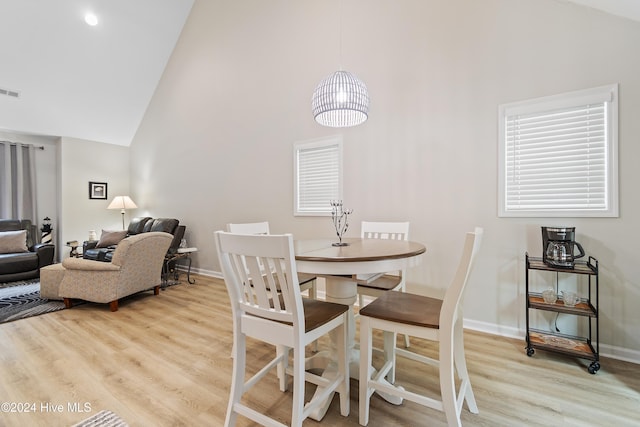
(136, 266)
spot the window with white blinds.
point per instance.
(558, 155)
(318, 176)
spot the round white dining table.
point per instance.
(338, 265)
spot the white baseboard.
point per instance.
(208, 273)
(613, 352)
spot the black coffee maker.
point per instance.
(558, 245)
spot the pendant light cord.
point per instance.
(340, 35)
(341, 99)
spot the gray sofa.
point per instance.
(102, 250)
(22, 261)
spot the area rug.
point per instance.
(103, 419)
(19, 300)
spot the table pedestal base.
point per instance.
(341, 290)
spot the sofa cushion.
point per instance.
(18, 262)
(13, 241)
(109, 238)
(136, 226)
(165, 225)
(21, 224)
(147, 225)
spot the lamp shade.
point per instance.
(340, 100)
(122, 202)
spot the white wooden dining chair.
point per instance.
(308, 282)
(269, 307)
(374, 285)
(428, 318)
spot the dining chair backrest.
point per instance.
(249, 228)
(271, 292)
(452, 303)
(384, 230)
(306, 281)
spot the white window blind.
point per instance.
(559, 155)
(318, 176)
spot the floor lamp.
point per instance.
(123, 203)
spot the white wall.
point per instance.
(82, 161)
(216, 143)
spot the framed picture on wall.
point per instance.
(98, 190)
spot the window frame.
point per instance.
(332, 141)
(608, 95)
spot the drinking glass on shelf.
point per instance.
(570, 298)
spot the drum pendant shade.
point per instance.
(340, 100)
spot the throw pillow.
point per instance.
(109, 238)
(13, 241)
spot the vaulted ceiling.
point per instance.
(75, 80)
(95, 83)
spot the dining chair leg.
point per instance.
(406, 337)
(298, 387)
(237, 378)
(447, 381)
(281, 368)
(312, 290)
(365, 371)
(313, 294)
(461, 368)
(389, 350)
(343, 366)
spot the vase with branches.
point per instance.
(340, 218)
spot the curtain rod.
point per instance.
(39, 147)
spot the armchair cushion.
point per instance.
(88, 265)
(13, 241)
(110, 238)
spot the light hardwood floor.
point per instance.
(164, 361)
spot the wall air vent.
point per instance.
(9, 92)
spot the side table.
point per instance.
(180, 254)
(73, 244)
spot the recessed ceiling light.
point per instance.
(91, 19)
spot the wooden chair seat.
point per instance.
(402, 307)
(386, 282)
(317, 313)
(304, 278)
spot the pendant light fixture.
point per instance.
(342, 99)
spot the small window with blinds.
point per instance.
(317, 175)
(558, 155)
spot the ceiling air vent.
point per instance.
(9, 92)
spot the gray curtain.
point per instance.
(17, 181)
